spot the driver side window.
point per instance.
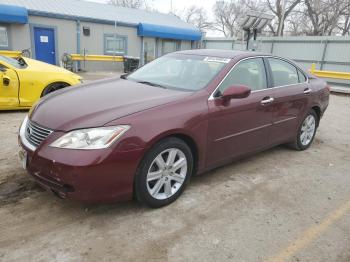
(249, 72)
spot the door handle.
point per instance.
(267, 100)
(307, 91)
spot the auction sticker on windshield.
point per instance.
(216, 60)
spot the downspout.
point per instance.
(142, 52)
(78, 43)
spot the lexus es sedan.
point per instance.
(145, 134)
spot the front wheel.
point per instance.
(53, 87)
(164, 172)
(306, 132)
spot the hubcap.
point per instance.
(167, 173)
(307, 130)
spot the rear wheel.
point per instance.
(164, 172)
(53, 87)
(306, 132)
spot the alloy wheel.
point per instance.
(166, 173)
(308, 129)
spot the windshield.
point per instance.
(13, 62)
(179, 71)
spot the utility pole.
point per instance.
(171, 6)
(282, 18)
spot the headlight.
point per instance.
(91, 138)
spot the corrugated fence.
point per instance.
(328, 53)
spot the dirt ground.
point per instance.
(279, 205)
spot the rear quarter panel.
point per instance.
(320, 95)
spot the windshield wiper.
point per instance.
(150, 83)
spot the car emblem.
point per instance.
(29, 131)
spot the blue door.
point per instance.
(44, 39)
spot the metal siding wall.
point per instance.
(338, 52)
(304, 51)
(66, 33)
(94, 44)
(20, 37)
(328, 53)
(218, 45)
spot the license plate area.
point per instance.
(23, 158)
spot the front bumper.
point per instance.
(91, 176)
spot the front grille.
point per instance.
(36, 134)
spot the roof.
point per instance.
(220, 53)
(96, 12)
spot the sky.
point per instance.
(164, 6)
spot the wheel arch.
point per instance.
(317, 110)
(184, 136)
(64, 83)
(188, 139)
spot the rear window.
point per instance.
(283, 73)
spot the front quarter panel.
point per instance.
(185, 118)
(32, 84)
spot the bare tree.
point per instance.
(137, 4)
(344, 25)
(198, 17)
(324, 15)
(282, 12)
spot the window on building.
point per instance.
(4, 41)
(115, 45)
(171, 46)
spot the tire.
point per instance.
(306, 131)
(159, 183)
(53, 87)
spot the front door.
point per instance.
(243, 125)
(44, 39)
(8, 88)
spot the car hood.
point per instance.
(36, 65)
(97, 103)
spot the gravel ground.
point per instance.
(279, 205)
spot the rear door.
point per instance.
(291, 94)
(8, 88)
(243, 125)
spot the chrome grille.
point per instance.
(36, 134)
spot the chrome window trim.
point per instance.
(22, 135)
(211, 97)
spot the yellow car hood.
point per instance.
(44, 67)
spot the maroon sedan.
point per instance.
(146, 134)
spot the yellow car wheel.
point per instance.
(53, 87)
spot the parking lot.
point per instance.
(279, 205)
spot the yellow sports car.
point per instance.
(23, 81)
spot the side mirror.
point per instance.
(124, 76)
(234, 92)
(6, 80)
